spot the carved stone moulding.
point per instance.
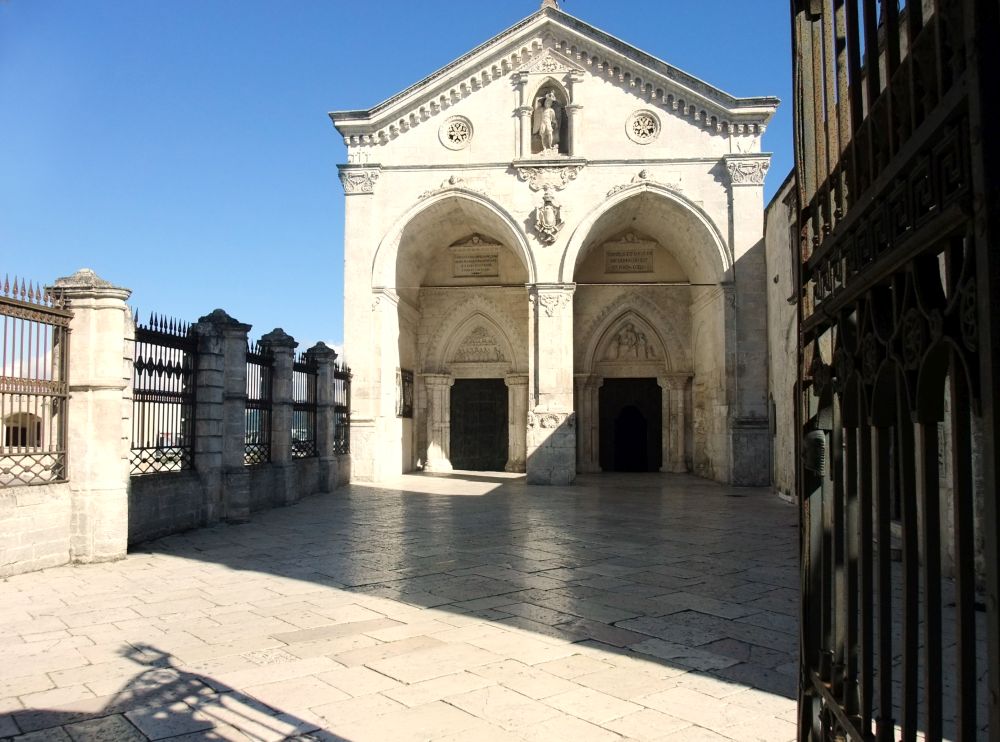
(540, 177)
(359, 180)
(452, 183)
(456, 132)
(644, 176)
(643, 126)
(550, 420)
(749, 171)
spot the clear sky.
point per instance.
(181, 148)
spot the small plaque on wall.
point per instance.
(475, 264)
(628, 257)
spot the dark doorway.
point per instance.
(479, 424)
(631, 433)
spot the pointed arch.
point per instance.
(708, 261)
(486, 211)
(668, 335)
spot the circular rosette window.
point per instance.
(643, 127)
(456, 132)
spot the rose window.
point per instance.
(643, 127)
(456, 132)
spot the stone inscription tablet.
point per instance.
(475, 264)
(630, 258)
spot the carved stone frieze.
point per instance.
(548, 218)
(359, 180)
(540, 178)
(747, 171)
(550, 420)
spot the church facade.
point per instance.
(554, 263)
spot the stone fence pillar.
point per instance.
(326, 418)
(283, 346)
(220, 416)
(99, 436)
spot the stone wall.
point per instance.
(102, 509)
(34, 527)
(782, 364)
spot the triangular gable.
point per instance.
(551, 37)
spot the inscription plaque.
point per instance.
(475, 264)
(631, 258)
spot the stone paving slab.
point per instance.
(460, 607)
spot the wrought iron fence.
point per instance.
(304, 407)
(260, 384)
(341, 408)
(898, 360)
(163, 396)
(404, 393)
(33, 384)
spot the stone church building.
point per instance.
(554, 264)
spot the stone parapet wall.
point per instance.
(103, 507)
(34, 528)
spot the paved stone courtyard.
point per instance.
(466, 607)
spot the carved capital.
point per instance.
(747, 170)
(359, 180)
(553, 299)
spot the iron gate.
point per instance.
(898, 353)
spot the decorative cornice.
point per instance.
(530, 41)
(540, 177)
(359, 180)
(747, 170)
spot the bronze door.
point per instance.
(479, 424)
(631, 433)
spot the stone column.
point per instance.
(283, 346)
(587, 422)
(99, 435)
(747, 360)
(524, 117)
(674, 388)
(438, 421)
(517, 419)
(220, 416)
(573, 123)
(551, 434)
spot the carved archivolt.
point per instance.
(669, 344)
(644, 177)
(450, 184)
(463, 318)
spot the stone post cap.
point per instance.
(322, 351)
(85, 281)
(220, 319)
(278, 338)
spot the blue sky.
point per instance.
(181, 148)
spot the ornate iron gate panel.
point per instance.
(898, 353)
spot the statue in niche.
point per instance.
(547, 123)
